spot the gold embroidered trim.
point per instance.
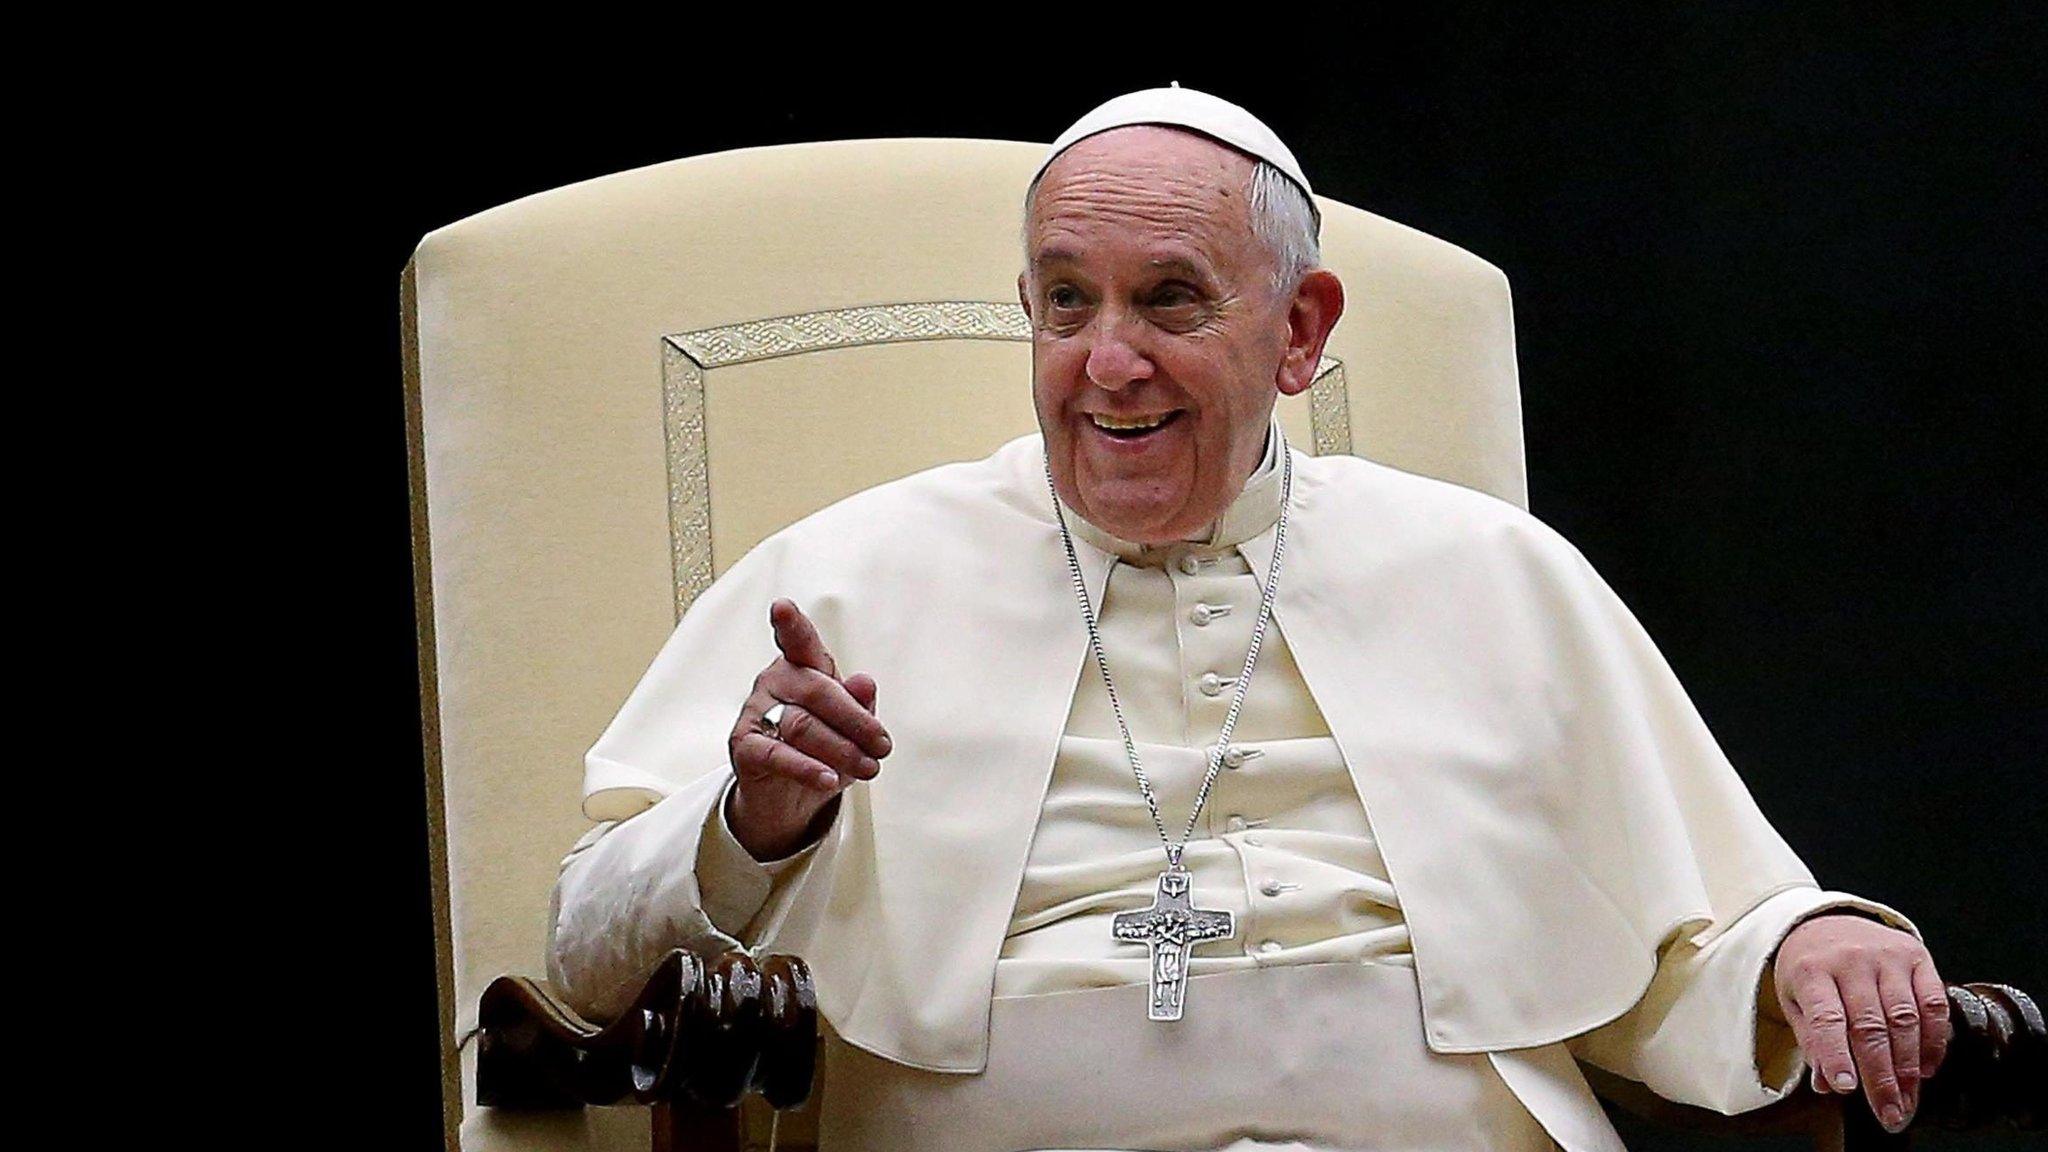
(1329, 409)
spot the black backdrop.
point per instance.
(1779, 319)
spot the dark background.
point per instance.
(1778, 305)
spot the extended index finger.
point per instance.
(833, 704)
(798, 638)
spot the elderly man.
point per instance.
(1235, 798)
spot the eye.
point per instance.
(1177, 307)
(1063, 296)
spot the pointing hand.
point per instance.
(828, 738)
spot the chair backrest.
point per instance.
(617, 387)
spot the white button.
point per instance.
(1201, 615)
(1211, 684)
(1233, 757)
(1269, 946)
(1190, 565)
(1235, 824)
(1270, 888)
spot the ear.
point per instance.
(1311, 315)
(1024, 294)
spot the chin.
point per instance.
(1140, 524)
(1142, 510)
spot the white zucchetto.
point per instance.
(1179, 107)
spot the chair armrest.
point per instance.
(699, 1032)
(1996, 1070)
(1995, 1074)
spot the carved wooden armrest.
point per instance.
(1995, 1074)
(697, 1038)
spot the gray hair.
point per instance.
(1281, 217)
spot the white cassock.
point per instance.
(1579, 871)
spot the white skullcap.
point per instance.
(1179, 107)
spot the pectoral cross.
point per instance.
(1170, 927)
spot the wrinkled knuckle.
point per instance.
(837, 746)
(802, 688)
(1904, 1015)
(1805, 969)
(822, 690)
(788, 761)
(1826, 1016)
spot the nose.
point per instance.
(1115, 358)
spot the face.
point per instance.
(1158, 342)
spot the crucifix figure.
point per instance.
(1170, 927)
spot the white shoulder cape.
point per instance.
(1548, 803)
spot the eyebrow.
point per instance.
(1181, 266)
(1178, 265)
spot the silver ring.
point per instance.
(770, 722)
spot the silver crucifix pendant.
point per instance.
(1170, 927)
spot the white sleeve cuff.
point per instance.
(1703, 1032)
(735, 886)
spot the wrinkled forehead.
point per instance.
(1145, 180)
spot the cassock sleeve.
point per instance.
(620, 902)
(662, 871)
(735, 885)
(1707, 1031)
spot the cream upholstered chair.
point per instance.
(617, 387)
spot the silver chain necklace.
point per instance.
(1172, 926)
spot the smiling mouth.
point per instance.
(1133, 427)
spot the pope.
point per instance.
(1465, 749)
